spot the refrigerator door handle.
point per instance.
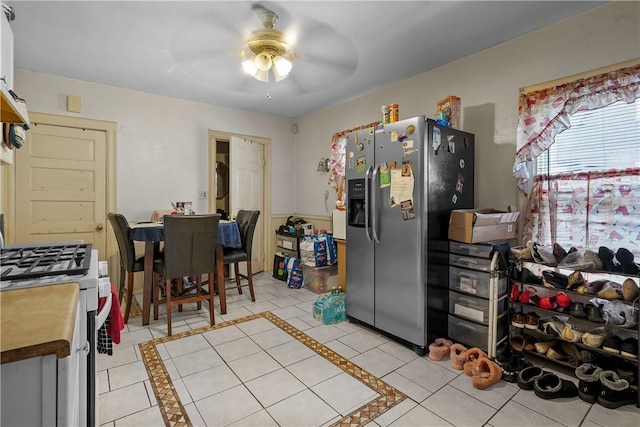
(374, 203)
(367, 194)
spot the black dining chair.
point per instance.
(189, 249)
(246, 220)
(130, 263)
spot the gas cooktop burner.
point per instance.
(23, 262)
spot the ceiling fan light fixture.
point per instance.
(263, 61)
(262, 76)
(249, 66)
(281, 67)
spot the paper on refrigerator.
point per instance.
(401, 187)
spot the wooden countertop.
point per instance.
(38, 321)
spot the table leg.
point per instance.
(148, 281)
(220, 279)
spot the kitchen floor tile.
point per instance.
(298, 372)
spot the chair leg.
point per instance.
(129, 296)
(121, 284)
(212, 320)
(199, 291)
(167, 283)
(156, 295)
(179, 290)
(250, 280)
(236, 270)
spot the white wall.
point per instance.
(488, 84)
(162, 143)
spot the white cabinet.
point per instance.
(11, 111)
(43, 390)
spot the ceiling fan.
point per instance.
(271, 50)
(305, 55)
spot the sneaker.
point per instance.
(531, 320)
(630, 290)
(511, 369)
(518, 320)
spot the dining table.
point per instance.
(151, 233)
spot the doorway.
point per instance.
(242, 162)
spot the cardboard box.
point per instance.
(482, 225)
(450, 108)
(320, 279)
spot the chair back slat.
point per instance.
(190, 244)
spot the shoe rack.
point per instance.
(478, 299)
(580, 324)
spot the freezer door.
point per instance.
(360, 250)
(399, 255)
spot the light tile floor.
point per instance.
(254, 374)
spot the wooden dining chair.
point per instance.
(130, 263)
(247, 221)
(189, 249)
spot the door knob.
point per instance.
(99, 227)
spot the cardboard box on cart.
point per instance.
(482, 225)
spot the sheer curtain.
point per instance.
(338, 162)
(585, 209)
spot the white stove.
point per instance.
(49, 264)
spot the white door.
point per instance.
(61, 186)
(246, 188)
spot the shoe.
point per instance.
(517, 342)
(630, 290)
(503, 354)
(511, 369)
(571, 335)
(593, 258)
(529, 343)
(563, 300)
(543, 347)
(595, 337)
(518, 320)
(559, 252)
(576, 309)
(555, 353)
(527, 276)
(589, 382)
(531, 320)
(572, 352)
(548, 303)
(439, 348)
(515, 292)
(554, 280)
(552, 326)
(528, 296)
(594, 313)
(551, 386)
(472, 356)
(625, 257)
(486, 373)
(610, 290)
(612, 344)
(629, 348)
(615, 391)
(457, 355)
(575, 279)
(609, 261)
(527, 377)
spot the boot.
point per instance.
(615, 391)
(589, 385)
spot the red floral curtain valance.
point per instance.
(338, 162)
(545, 113)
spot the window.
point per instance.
(585, 139)
(588, 183)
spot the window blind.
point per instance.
(598, 140)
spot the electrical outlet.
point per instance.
(203, 194)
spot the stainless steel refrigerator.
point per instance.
(403, 180)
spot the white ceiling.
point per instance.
(191, 50)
